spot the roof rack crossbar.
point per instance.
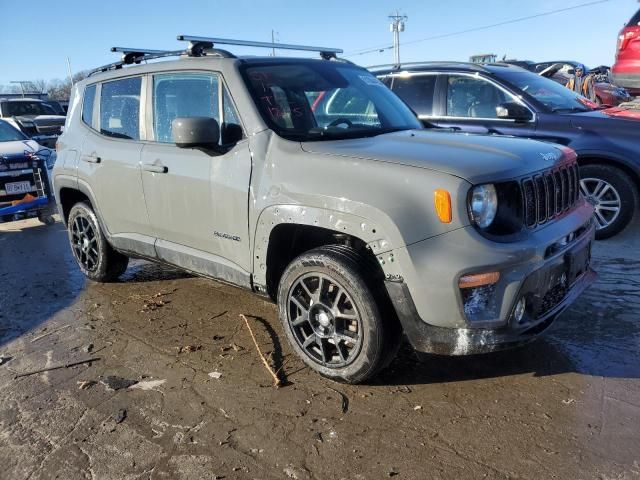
(131, 56)
(199, 46)
(137, 55)
(325, 52)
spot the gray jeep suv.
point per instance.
(308, 181)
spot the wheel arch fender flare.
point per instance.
(381, 237)
(590, 157)
(84, 188)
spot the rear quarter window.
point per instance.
(87, 105)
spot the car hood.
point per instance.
(475, 158)
(17, 148)
(42, 120)
(623, 113)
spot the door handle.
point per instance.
(91, 158)
(152, 167)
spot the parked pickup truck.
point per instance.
(309, 182)
(33, 117)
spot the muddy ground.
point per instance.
(567, 406)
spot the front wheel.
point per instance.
(613, 196)
(95, 257)
(327, 304)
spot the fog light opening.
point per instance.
(521, 307)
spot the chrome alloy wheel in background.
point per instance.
(604, 198)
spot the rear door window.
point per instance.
(417, 91)
(87, 105)
(120, 108)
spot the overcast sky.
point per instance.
(37, 36)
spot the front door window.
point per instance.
(473, 97)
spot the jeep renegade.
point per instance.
(308, 181)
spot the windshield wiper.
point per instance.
(345, 133)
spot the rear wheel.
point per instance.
(612, 194)
(327, 304)
(95, 257)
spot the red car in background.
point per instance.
(626, 71)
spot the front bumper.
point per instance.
(469, 341)
(431, 308)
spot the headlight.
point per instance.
(483, 205)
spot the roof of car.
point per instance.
(446, 66)
(26, 99)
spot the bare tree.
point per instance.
(57, 89)
(38, 86)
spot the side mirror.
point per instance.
(194, 132)
(513, 111)
(571, 71)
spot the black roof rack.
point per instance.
(200, 46)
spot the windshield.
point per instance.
(10, 134)
(18, 108)
(321, 100)
(551, 94)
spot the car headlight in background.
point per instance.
(483, 205)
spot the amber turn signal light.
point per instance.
(442, 201)
(478, 280)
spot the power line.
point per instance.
(476, 29)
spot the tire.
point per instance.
(607, 188)
(95, 257)
(350, 349)
(47, 219)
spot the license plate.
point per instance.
(578, 262)
(18, 187)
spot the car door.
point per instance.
(109, 166)
(197, 199)
(468, 103)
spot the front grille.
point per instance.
(549, 194)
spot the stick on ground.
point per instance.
(49, 333)
(66, 365)
(276, 379)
